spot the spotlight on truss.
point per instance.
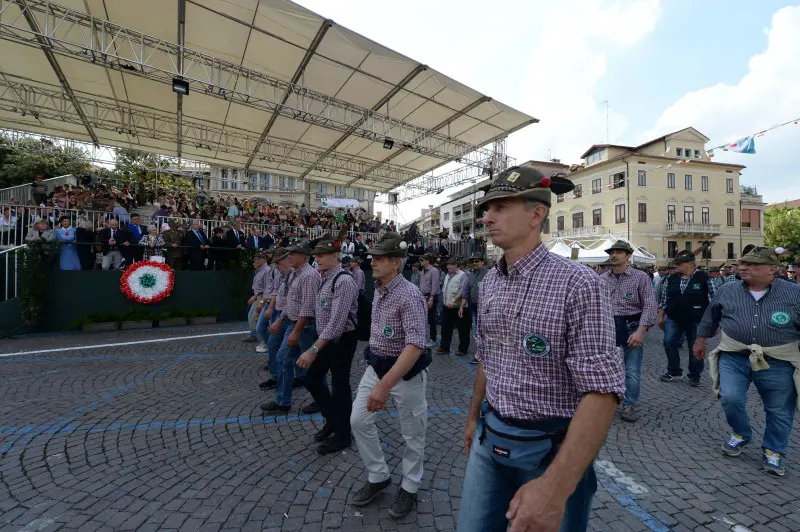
(388, 143)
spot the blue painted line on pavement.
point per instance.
(55, 428)
(629, 503)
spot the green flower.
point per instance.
(148, 280)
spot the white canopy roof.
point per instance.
(560, 248)
(273, 87)
(597, 254)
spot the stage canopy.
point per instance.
(597, 254)
(271, 86)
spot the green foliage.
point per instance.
(782, 227)
(17, 167)
(129, 171)
(34, 264)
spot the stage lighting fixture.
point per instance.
(388, 143)
(180, 86)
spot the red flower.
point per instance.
(336, 245)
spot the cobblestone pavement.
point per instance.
(169, 436)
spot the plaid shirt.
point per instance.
(429, 283)
(399, 318)
(259, 279)
(712, 288)
(546, 337)
(301, 296)
(336, 305)
(358, 275)
(283, 288)
(271, 282)
(632, 293)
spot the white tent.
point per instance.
(597, 254)
(558, 247)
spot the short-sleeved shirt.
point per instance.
(337, 304)
(399, 318)
(429, 283)
(283, 288)
(632, 293)
(301, 297)
(546, 337)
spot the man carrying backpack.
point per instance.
(336, 317)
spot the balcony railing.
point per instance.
(693, 229)
(752, 198)
(754, 231)
(593, 230)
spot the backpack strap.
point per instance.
(333, 290)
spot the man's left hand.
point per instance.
(636, 339)
(461, 313)
(377, 398)
(535, 508)
(450, 305)
(294, 338)
(306, 359)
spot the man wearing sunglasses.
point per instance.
(475, 277)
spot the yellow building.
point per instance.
(642, 194)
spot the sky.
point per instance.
(728, 68)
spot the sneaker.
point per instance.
(431, 343)
(272, 406)
(772, 463)
(261, 348)
(333, 446)
(733, 446)
(628, 414)
(694, 382)
(473, 360)
(310, 409)
(368, 492)
(668, 377)
(268, 384)
(324, 433)
(250, 339)
(403, 503)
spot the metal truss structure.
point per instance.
(53, 103)
(64, 31)
(435, 184)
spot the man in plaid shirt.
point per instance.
(300, 332)
(336, 311)
(635, 311)
(397, 360)
(548, 368)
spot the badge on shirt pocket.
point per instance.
(536, 345)
(628, 295)
(388, 332)
(780, 318)
(696, 286)
(323, 303)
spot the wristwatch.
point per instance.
(314, 349)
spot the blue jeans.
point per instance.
(250, 312)
(673, 331)
(262, 331)
(633, 374)
(286, 360)
(776, 388)
(263, 323)
(473, 307)
(489, 488)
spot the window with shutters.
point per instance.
(619, 214)
(643, 213)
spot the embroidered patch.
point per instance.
(513, 176)
(628, 295)
(536, 345)
(480, 284)
(388, 332)
(780, 318)
(323, 303)
(499, 451)
(696, 286)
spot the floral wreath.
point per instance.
(147, 282)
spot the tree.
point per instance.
(38, 157)
(782, 227)
(144, 171)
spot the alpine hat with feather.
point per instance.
(329, 243)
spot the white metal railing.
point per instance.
(9, 258)
(22, 193)
(757, 231)
(686, 228)
(752, 198)
(593, 230)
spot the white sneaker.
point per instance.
(261, 348)
(430, 343)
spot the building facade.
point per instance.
(664, 196)
(458, 214)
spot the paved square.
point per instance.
(169, 436)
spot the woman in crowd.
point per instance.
(86, 238)
(67, 254)
(153, 243)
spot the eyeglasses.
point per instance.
(476, 261)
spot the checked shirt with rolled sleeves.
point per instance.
(429, 283)
(301, 297)
(282, 290)
(546, 337)
(337, 305)
(399, 318)
(632, 293)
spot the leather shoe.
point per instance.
(272, 406)
(324, 433)
(310, 409)
(268, 384)
(333, 446)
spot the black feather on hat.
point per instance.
(328, 244)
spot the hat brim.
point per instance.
(543, 195)
(684, 261)
(324, 251)
(302, 251)
(756, 261)
(612, 248)
(399, 253)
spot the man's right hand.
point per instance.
(469, 434)
(430, 303)
(662, 322)
(273, 329)
(699, 349)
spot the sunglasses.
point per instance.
(476, 261)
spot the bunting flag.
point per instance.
(747, 144)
